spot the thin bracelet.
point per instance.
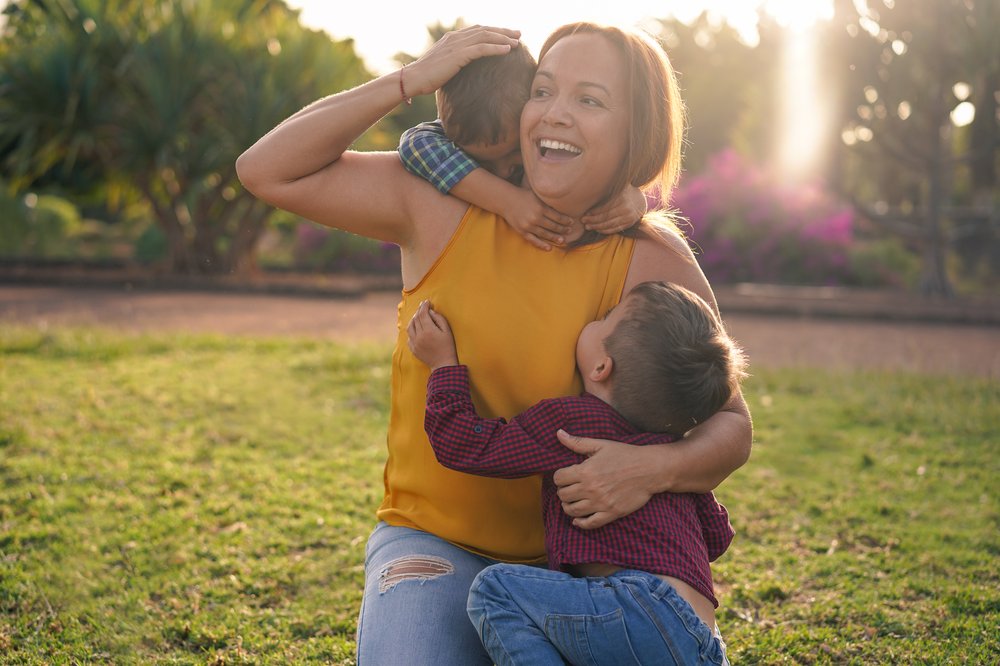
(402, 90)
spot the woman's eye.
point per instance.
(590, 101)
(539, 92)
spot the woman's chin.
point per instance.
(562, 199)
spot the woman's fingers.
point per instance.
(452, 52)
(579, 508)
(594, 520)
(513, 34)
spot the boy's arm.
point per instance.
(465, 442)
(427, 152)
(716, 529)
(539, 224)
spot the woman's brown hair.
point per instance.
(656, 128)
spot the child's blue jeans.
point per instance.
(527, 615)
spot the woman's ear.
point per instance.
(602, 371)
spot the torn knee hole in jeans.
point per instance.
(412, 567)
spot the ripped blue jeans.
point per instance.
(414, 607)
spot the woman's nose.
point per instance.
(557, 112)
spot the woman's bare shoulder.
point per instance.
(663, 254)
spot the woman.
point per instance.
(596, 121)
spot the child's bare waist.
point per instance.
(701, 605)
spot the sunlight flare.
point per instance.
(805, 116)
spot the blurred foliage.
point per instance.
(730, 89)
(893, 72)
(748, 226)
(907, 161)
(37, 223)
(319, 248)
(211, 77)
(154, 100)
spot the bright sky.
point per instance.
(380, 30)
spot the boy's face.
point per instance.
(501, 158)
(590, 350)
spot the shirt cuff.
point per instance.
(449, 378)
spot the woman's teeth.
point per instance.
(566, 149)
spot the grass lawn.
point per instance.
(198, 499)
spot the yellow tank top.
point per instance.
(516, 313)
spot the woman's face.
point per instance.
(574, 127)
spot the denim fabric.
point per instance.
(416, 620)
(526, 615)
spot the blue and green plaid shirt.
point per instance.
(427, 152)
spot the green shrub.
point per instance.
(38, 226)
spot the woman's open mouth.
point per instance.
(558, 150)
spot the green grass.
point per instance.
(194, 500)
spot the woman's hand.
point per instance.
(430, 337)
(620, 214)
(453, 52)
(615, 480)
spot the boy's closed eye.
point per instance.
(501, 158)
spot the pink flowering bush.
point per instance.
(748, 226)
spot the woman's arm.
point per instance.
(303, 166)
(617, 479)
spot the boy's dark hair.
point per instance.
(482, 101)
(674, 364)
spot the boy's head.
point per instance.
(670, 363)
(480, 108)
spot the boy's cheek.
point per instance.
(516, 175)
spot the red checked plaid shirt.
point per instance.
(674, 534)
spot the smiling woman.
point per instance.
(573, 128)
(585, 124)
(517, 312)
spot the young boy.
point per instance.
(473, 151)
(660, 362)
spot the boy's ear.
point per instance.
(602, 371)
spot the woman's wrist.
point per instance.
(658, 466)
(402, 87)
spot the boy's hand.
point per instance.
(430, 338)
(618, 214)
(540, 225)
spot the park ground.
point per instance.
(202, 499)
(778, 327)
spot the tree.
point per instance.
(906, 67)
(161, 96)
(730, 88)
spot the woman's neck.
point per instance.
(574, 232)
